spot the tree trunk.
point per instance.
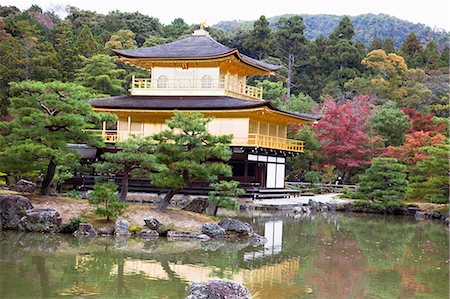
(124, 189)
(46, 183)
(166, 200)
(290, 62)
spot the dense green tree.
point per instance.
(64, 43)
(445, 56)
(44, 63)
(177, 28)
(385, 180)
(290, 42)
(151, 41)
(259, 38)
(187, 152)
(344, 30)
(388, 45)
(412, 51)
(141, 25)
(104, 196)
(100, 74)
(431, 56)
(430, 181)
(391, 124)
(122, 39)
(297, 166)
(86, 44)
(300, 103)
(47, 117)
(376, 44)
(134, 156)
(272, 91)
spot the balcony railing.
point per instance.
(254, 140)
(145, 86)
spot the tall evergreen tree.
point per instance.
(64, 43)
(431, 56)
(177, 28)
(289, 43)
(412, 51)
(376, 44)
(100, 74)
(258, 41)
(388, 45)
(344, 30)
(391, 124)
(86, 43)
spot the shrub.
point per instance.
(72, 225)
(134, 229)
(105, 198)
(74, 194)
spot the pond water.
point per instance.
(334, 256)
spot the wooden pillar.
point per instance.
(129, 126)
(104, 128)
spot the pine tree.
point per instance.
(100, 74)
(412, 51)
(104, 196)
(68, 60)
(224, 195)
(290, 42)
(133, 156)
(430, 181)
(391, 124)
(431, 56)
(187, 152)
(258, 41)
(376, 44)
(86, 44)
(344, 30)
(388, 45)
(47, 117)
(385, 180)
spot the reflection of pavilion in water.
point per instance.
(263, 274)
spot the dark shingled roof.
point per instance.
(187, 103)
(194, 46)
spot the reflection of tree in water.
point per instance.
(410, 253)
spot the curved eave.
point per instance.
(235, 52)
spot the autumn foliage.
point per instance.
(343, 134)
(422, 122)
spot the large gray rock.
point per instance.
(237, 228)
(258, 239)
(218, 289)
(41, 220)
(12, 208)
(105, 231)
(121, 228)
(213, 230)
(197, 205)
(152, 223)
(24, 186)
(186, 236)
(85, 229)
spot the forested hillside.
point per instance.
(388, 98)
(367, 27)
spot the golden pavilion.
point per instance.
(198, 74)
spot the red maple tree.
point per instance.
(409, 152)
(343, 134)
(422, 122)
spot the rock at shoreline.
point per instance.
(12, 209)
(121, 228)
(105, 231)
(24, 186)
(41, 220)
(257, 239)
(237, 228)
(85, 230)
(213, 230)
(148, 234)
(218, 289)
(197, 205)
(186, 235)
(152, 223)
